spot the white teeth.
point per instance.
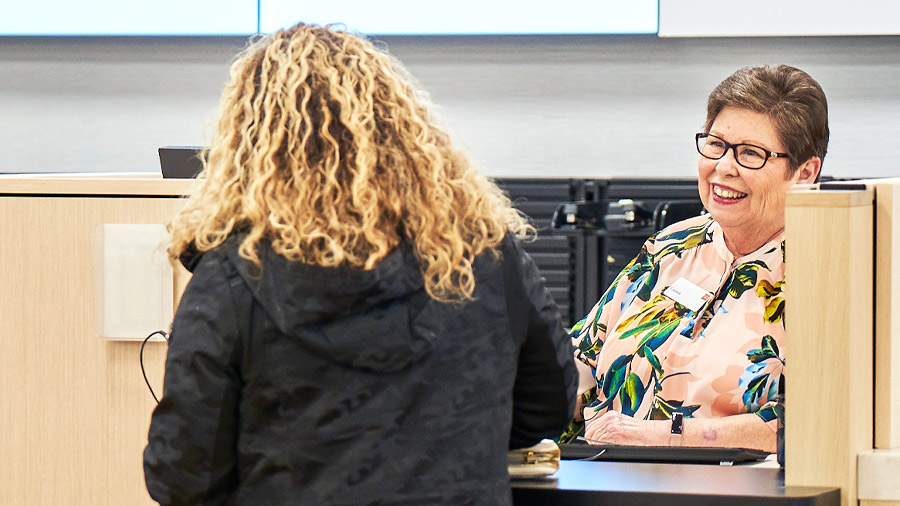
(727, 194)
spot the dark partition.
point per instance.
(557, 256)
(580, 259)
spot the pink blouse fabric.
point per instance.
(653, 356)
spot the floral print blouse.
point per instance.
(714, 352)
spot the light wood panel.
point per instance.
(887, 314)
(99, 186)
(829, 406)
(74, 409)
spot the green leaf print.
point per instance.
(631, 394)
(647, 353)
(760, 379)
(638, 266)
(615, 376)
(688, 238)
(768, 413)
(744, 278)
(642, 272)
(653, 324)
(645, 326)
(589, 346)
(756, 390)
(663, 409)
(576, 329)
(767, 350)
(607, 297)
(597, 326)
(658, 335)
(656, 311)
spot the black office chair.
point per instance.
(671, 211)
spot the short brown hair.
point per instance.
(792, 99)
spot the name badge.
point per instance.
(687, 294)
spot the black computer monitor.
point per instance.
(180, 161)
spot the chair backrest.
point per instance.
(671, 211)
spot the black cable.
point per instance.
(144, 372)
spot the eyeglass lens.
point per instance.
(747, 155)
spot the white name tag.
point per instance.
(687, 294)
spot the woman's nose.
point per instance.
(727, 164)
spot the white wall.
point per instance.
(582, 106)
(696, 18)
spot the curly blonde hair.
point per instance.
(326, 148)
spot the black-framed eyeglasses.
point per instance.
(748, 156)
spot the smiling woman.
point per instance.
(748, 202)
(690, 335)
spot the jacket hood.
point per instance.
(368, 319)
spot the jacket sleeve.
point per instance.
(190, 456)
(546, 379)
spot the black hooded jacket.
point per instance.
(304, 385)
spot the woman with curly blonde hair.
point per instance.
(362, 324)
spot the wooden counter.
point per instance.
(74, 409)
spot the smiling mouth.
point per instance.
(722, 193)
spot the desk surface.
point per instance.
(629, 483)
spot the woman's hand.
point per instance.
(735, 431)
(615, 428)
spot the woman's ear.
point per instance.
(808, 172)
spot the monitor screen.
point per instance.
(466, 17)
(180, 162)
(118, 18)
(384, 17)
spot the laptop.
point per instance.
(660, 454)
(180, 162)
